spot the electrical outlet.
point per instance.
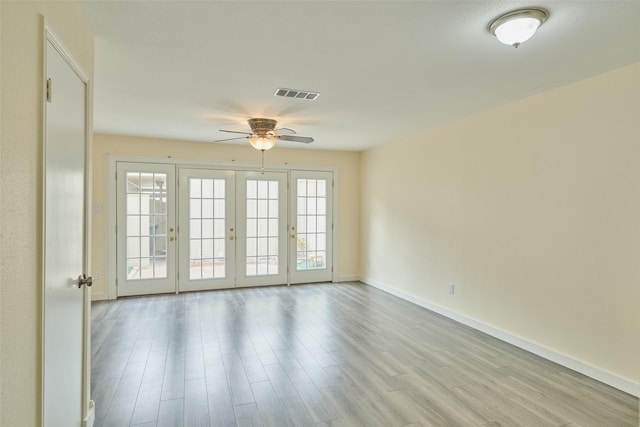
(451, 289)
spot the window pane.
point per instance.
(207, 228)
(263, 190)
(252, 189)
(133, 225)
(219, 231)
(322, 188)
(302, 187)
(273, 246)
(133, 204)
(195, 230)
(219, 188)
(252, 208)
(273, 190)
(207, 188)
(133, 247)
(262, 227)
(195, 187)
(321, 224)
(273, 228)
(195, 208)
(219, 248)
(207, 248)
(207, 208)
(252, 227)
(195, 249)
(219, 208)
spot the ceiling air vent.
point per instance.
(298, 94)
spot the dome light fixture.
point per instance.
(262, 142)
(518, 26)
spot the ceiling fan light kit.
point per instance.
(262, 142)
(518, 26)
(264, 134)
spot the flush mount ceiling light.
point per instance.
(518, 26)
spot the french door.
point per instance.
(311, 229)
(229, 229)
(232, 228)
(146, 247)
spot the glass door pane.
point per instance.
(311, 231)
(145, 228)
(261, 213)
(207, 229)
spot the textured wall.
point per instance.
(531, 209)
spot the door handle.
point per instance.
(84, 280)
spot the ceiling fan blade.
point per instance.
(235, 131)
(285, 131)
(230, 139)
(304, 139)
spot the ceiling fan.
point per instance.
(264, 134)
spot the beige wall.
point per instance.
(346, 163)
(531, 209)
(21, 193)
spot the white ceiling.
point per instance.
(384, 69)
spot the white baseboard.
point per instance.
(339, 279)
(608, 378)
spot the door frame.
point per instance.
(110, 213)
(50, 36)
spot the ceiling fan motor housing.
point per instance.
(262, 126)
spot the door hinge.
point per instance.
(48, 90)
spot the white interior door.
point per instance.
(207, 229)
(311, 230)
(145, 232)
(261, 209)
(64, 239)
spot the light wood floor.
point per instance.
(324, 355)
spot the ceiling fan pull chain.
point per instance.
(262, 161)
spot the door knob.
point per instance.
(84, 280)
(293, 236)
(231, 237)
(171, 239)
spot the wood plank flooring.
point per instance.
(324, 355)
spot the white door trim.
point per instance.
(110, 220)
(49, 36)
